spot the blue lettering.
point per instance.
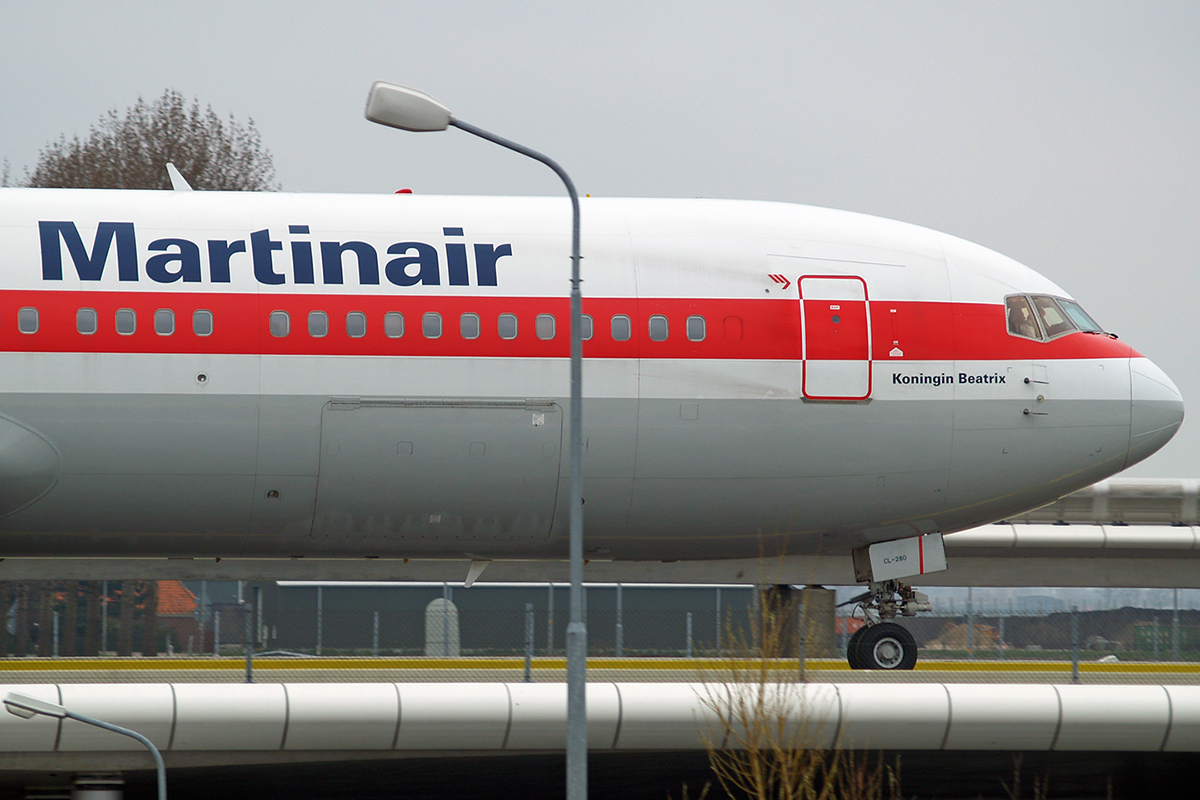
(486, 256)
(426, 261)
(261, 248)
(88, 267)
(219, 252)
(456, 264)
(302, 260)
(188, 258)
(174, 259)
(331, 262)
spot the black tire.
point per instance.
(887, 646)
(852, 648)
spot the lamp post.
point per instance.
(26, 707)
(410, 110)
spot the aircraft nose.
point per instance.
(1157, 409)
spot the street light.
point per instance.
(410, 110)
(27, 707)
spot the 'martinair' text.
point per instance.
(172, 259)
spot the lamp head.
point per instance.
(406, 109)
(25, 706)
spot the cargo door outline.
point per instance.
(835, 324)
(434, 471)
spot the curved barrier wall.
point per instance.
(519, 717)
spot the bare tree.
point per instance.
(131, 151)
(772, 738)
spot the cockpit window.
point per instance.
(1080, 317)
(1041, 317)
(1021, 321)
(1054, 321)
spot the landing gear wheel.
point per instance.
(852, 648)
(886, 646)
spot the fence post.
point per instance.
(375, 636)
(689, 634)
(1000, 624)
(247, 625)
(217, 633)
(320, 619)
(802, 636)
(620, 632)
(104, 619)
(529, 642)
(718, 620)
(1175, 629)
(970, 623)
(257, 618)
(1074, 644)
(446, 621)
(550, 619)
(55, 652)
(1156, 638)
(204, 610)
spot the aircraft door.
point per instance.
(422, 473)
(836, 322)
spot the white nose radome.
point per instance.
(1157, 409)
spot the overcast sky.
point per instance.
(1065, 134)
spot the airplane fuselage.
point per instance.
(217, 374)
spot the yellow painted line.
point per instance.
(120, 665)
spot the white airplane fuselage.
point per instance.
(759, 377)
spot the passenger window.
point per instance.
(202, 322)
(468, 326)
(658, 328)
(126, 321)
(696, 329)
(622, 329)
(86, 320)
(318, 324)
(586, 328)
(356, 324)
(431, 325)
(1054, 320)
(543, 326)
(506, 326)
(1021, 321)
(393, 324)
(280, 324)
(27, 320)
(164, 322)
(733, 329)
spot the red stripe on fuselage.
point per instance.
(734, 329)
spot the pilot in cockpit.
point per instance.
(1020, 318)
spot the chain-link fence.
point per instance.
(1125, 634)
(91, 631)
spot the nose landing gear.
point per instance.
(881, 643)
